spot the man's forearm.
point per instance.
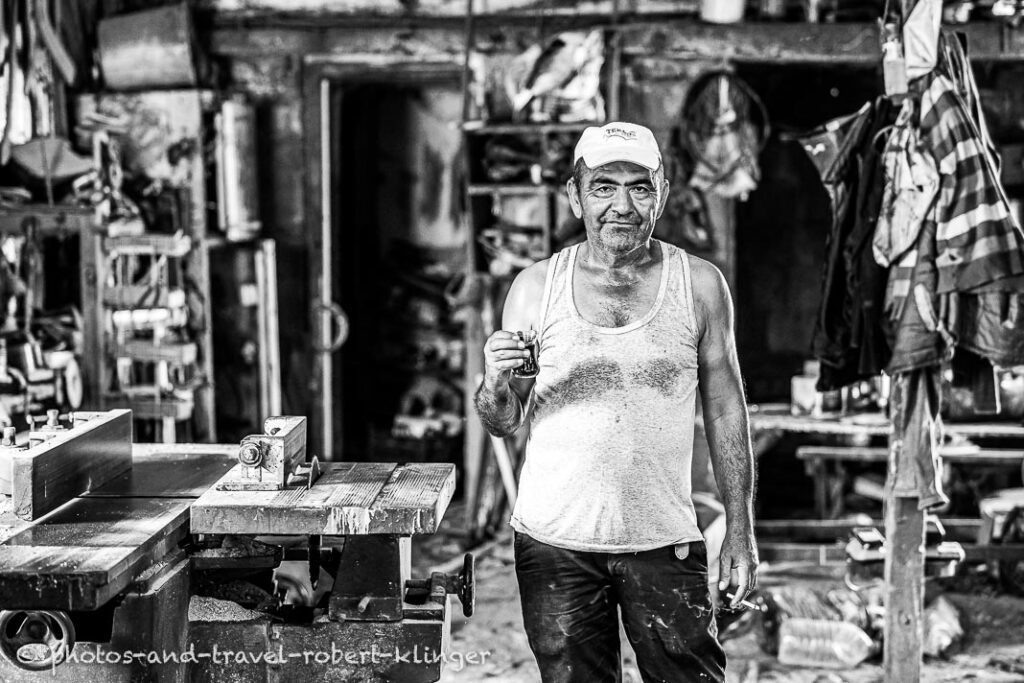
(499, 408)
(733, 461)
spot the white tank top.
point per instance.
(607, 464)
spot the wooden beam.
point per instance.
(71, 463)
(778, 43)
(312, 10)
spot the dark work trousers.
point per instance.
(571, 601)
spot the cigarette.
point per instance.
(743, 603)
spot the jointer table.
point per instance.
(113, 569)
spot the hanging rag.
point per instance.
(911, 184)
(721, 135)
(921, 38)
(915, 467)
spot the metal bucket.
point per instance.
(150, 49)
(237, 182)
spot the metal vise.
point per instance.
(269, 460)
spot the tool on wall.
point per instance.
(724, 129)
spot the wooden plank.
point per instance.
(70, 463)
(171, 474)
(962, 530)
(345, 500)
(776, 416)
(971, 456)
(183, 450)
(415, 497)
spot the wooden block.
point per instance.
(70, 463)
(347, 499)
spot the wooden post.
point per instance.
(904, 559)
(904, 570)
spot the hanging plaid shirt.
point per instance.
(977, 241)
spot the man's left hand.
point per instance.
(738, 564)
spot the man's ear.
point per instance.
(663, 198)
(574, 198)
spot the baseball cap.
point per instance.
(618, 141)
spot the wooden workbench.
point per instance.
(769, 417)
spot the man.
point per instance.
(628, 327)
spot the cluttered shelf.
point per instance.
(508, 188)
(48, 219)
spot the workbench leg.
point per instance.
(167, 429)
(838, 486)
(815, 468)
(904, 589)
(370, 579)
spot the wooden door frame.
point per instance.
(323, 78)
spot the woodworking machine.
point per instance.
(194, 562)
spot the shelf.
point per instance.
(51, 220)
(175, 246)
(153, 408)
(484, 128)
(182, 353)
(134, 297)
(478, 189)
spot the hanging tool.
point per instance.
(58, 53)
(11, 65)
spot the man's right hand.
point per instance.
(503, 351)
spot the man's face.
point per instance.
(619, 203)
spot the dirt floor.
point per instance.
(992, 649)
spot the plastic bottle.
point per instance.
(823, 643)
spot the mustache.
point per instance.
(634, 220)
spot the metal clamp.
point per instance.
(439, 585)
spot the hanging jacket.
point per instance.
(848, 338)
(976, 248)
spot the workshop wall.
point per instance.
(420, 201)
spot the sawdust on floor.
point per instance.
(994, 643)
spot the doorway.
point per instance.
(391, 211)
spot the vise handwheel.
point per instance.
(467, 585)
(36, 640)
